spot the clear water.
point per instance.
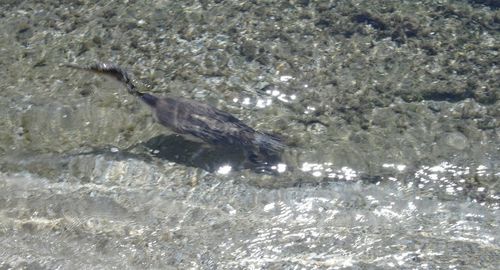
(390, 111)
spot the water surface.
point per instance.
(390, 110)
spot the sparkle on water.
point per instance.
(319, 222)
(286, 78)
(131, 213)
(393, 223)
(326, 169)
(399, 167)
(224, 169)
(265, 102)
(280, 167)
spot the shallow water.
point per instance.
(390, 111)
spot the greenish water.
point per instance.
(390, 110)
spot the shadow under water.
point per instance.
(176, 148)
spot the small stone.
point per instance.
(316, 128)
(456, 140)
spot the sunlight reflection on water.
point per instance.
(343, 225)
(224, 169)
(314, 227)
(327, 169)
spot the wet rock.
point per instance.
(456, 140)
